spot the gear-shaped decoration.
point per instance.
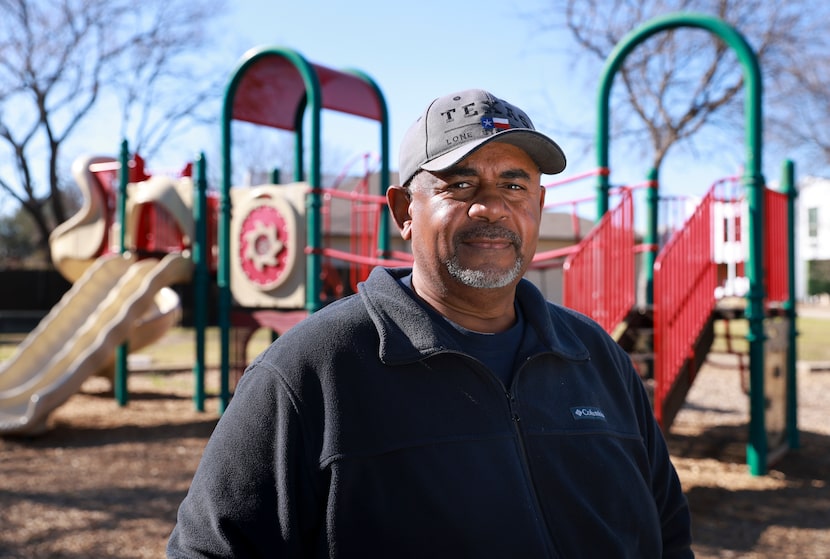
(264, 246)
(267, 241)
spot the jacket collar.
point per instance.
(407, 333)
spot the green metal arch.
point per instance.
(313, 103)
(383, 237)
(752, 77)
(753, 181)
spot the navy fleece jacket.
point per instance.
(366, 431)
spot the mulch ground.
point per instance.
(106, 481)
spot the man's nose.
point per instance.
(488, 205)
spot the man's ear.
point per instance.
(399, 199)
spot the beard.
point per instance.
(487, 277)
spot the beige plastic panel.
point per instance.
(268, 239)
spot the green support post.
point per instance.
(650, 255)
(313, 260)
(299, 141)
(383, 226)
(200, 280)
(753, 181)
(122, 351)
(314, 222)
(223, 266)
(788, 187)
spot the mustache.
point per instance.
(484, 231)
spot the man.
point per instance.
(447, 410)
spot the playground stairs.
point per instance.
(636, 336)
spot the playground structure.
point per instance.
(683, 279)
(276, 259)
(115, 298)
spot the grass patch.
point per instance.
(811, 341)
(177, 348)
(813, 338)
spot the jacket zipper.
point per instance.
(553, 552)
(516, 418)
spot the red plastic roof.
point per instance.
(272, 88)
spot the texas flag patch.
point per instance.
(494, 123)
(501, 123)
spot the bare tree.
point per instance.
(801, 116)
(679, 84)
(59, 59)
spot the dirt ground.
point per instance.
(106, 481)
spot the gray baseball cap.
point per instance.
(455, 125)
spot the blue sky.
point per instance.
(417, 50)
(414, 50)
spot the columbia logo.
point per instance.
(584, 412)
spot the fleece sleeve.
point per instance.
(673, 508)
(253, 493)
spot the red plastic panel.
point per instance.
(157, 231)
(272, 88)
(776, 246)
(348, 94)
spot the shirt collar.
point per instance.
(407, 333)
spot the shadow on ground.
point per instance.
(738, 519)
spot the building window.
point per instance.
(812, 222)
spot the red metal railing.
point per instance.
(599, 276)
(364, 212)
(568, 205)
(775, 242)
(673, 213)
(685, 278)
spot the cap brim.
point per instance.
(545, 152)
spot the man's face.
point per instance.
(477, 223)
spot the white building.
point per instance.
(812, 273)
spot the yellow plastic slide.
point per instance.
(117, 299)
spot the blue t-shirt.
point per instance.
(496, 350)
